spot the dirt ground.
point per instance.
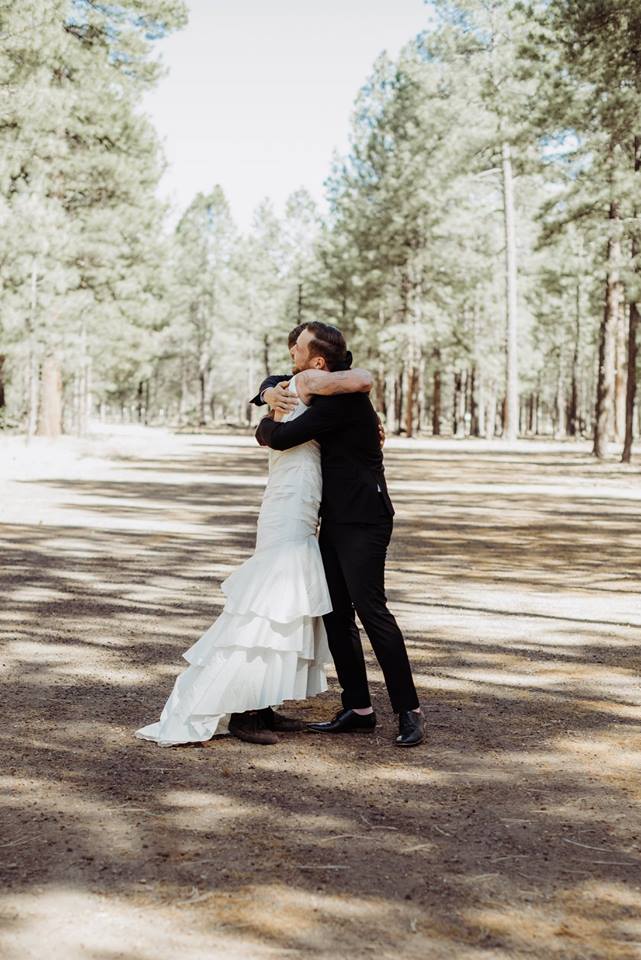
(514, 832)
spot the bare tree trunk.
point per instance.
(75, 403)
(537, 414)
(421, 399)
(481, 406)
(2, 390)
(82, 388)
(455, 392)
(559, 406)
(299, 305)
(379, 398)
(458, 419)
(490, 424)
(85, 399)
(630, 396)
(184, 392)
(511, 409)
(251, 386)
(620, 358)
(50, 419)
(633, 326)
(398, 402)
(390, 400)
(605, 379)
(573, 407)
(412, 382)
(140, 401)
(202, 403)
(472, 402)
(436, 399)
(33, 367)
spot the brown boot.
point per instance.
(278, 721)
(251, 728)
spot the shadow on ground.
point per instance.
(512, 834)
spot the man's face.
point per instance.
(300, 353)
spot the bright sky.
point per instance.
(260, 92)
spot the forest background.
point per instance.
(480, 247)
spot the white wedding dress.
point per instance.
(269, 643)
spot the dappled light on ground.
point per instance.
(513, 833)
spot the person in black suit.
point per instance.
(356, 526)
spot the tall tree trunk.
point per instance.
(490, 419)
(573, 406)
(75, 402)
(50, 419)
(630, 396)
(511, 414)
(620, 359)
(380, 394)
(390, 400)
(481, 405)
(412, 383)
(458, 419)
(251, 387)
(436, 397)
(560, 428)
(472, 402)
(85, 397)
(421, 405)
(3, 400)
(398, 402)
(140, 400)
(33, 367)
(184, 392)
(607, 330)
(299, 305)
(633, 326)
(202, 399)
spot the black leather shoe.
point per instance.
(411, 728)
(279, 722)
(346, 721)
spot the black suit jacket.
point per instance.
(346, 426)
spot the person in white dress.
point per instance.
(269, 643)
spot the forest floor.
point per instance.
(513, 833)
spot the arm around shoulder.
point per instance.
(327, 384)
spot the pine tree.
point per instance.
(78, 180)
(588, 57)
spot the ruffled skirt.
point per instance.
(268, 645)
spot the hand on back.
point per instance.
(280, 399)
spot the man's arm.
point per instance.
(265, 385)
(325, 383)
(320, 419)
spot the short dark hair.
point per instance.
(294, 334)
(328, 342)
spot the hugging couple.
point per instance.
(293, 604)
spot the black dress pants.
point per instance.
(354, 560)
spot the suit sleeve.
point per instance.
(319, 420)
(268, 382)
